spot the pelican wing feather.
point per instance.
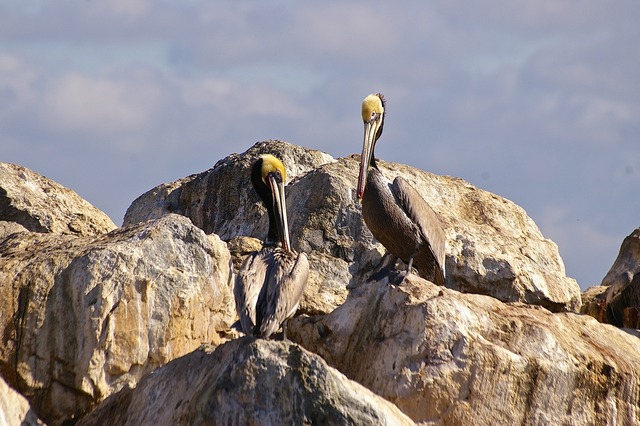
(421, 214)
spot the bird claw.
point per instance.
(397, 277)
(380, 274)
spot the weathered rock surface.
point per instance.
(444, 357)
(83, 316)
(623, 282)
(222, 200)
(594, 302)
(494, 248)
(41, 205)
(87, 315)
(247, 382)
(14, 408)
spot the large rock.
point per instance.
(494, 248)
(14, 408)
(444, 357)
(246, 382)
(40, 205)
(222, 200)
(84, 316)
(594, 302)
(623, 282)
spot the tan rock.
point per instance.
(494, 248)
(14, 408)
(594, 302)
(41, 205)
(245, 382)
(444, 357)
(85, 316)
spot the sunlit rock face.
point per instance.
(244, 382)
(494, 248)
(35, 203)
(91, 311)
(84, 316)
(444, 357)
(14, 408)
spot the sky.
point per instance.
(536, 101)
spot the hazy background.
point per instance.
(537, 101)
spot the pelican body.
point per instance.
(395, 213)
(270, 282)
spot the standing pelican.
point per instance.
(394, 212)
(271, 281)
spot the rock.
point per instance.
(241, 247)
(444, 357)
(623, 293)
(494, 248)
(14, 408)
(85, 316)
(247, 381)
(41, 205)
(222, 199)
(594, 302)
(88, 315)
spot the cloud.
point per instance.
(536, 101)
(76, 103)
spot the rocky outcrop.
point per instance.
(594, 302)
(221, 200)
(494, 248)
(244, 382)
(444, 357)
(38, 204)
(623, 282)
(15, 409)
(115, 319)
(84, 316)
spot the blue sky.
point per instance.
(538, 102)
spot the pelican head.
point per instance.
(373, 107)
(268, 176)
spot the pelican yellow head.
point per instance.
(271, 164)
(372, 107)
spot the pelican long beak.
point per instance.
(370, 130)
(276, 185)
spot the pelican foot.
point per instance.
(397, 277)
(384, 267)
(381, 273)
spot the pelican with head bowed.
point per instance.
(395, 213)
(270, 282)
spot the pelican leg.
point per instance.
(410, 264)
(284, 330)
(397, 277)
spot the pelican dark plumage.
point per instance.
(270, 282)
(395, 213)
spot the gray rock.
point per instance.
(40, 205)
(243, 382)
(444, 357)
(623, 293)
(222, 200)
(85, 316)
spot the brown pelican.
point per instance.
(395, 213)
(271, 281)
